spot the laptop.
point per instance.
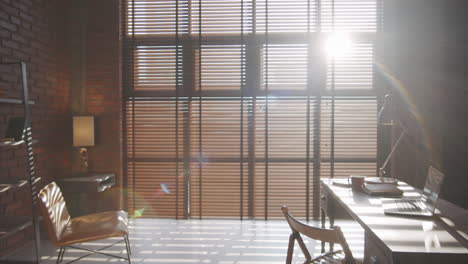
(423, 206)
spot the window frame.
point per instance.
(252, 54)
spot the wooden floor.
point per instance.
(204, 241)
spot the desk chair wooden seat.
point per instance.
(326, 235)
(65, 231)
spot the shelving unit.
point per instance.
(9, 225)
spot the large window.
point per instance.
(237, 107)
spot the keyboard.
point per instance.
(410, 205)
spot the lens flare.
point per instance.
(165, 188)
(338, 44)
(138, 213)
(414, 114)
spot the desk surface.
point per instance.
(399, 234)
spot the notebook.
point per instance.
(423, 206)
(382, 189)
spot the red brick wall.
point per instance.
(32, 31)
(36, 31)
(103, 87)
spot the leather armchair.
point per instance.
(65, 231)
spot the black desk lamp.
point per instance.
(385, 118)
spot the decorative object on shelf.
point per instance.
(15, 129)
(386, 118)
(83, 136)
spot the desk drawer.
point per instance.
(375, 252)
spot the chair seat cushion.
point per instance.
(95, 226)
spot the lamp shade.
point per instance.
(83, 131)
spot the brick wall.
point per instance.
(32, 31)
(103, 87)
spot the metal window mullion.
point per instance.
(125, 81)
(187, 90)
(252, 161)
(380, 15)
(252, 79)
(200, 117)
(317, 156)
(128, 89)
(132, 88)
(317, 161)
(332, 128)
(177, 111)
(378, 86)
(254, 16)
(266, 109)
(242, 77)
(307, 173)
(133, 153)
(187, 105)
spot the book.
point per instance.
(388, 190)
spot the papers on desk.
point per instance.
(341, 183)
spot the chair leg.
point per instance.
(323, 219)
(127, 245)
(63, 253)
(59, 256)
(292, 237)
(127, 242)
(303, 247)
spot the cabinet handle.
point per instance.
(374, 260)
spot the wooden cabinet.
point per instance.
(84, 194)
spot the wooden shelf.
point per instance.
(4, 187)
(12, 224)
(14, 143)
(14, 101)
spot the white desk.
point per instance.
(394, 239)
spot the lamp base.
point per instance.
(380, 180)
(83, 159)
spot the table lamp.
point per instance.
(83, 136)
(385, 118)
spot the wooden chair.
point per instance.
(326, 235)
(65, 231)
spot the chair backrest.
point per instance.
(323, 234)
(54, 211)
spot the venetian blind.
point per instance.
(233, 108)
